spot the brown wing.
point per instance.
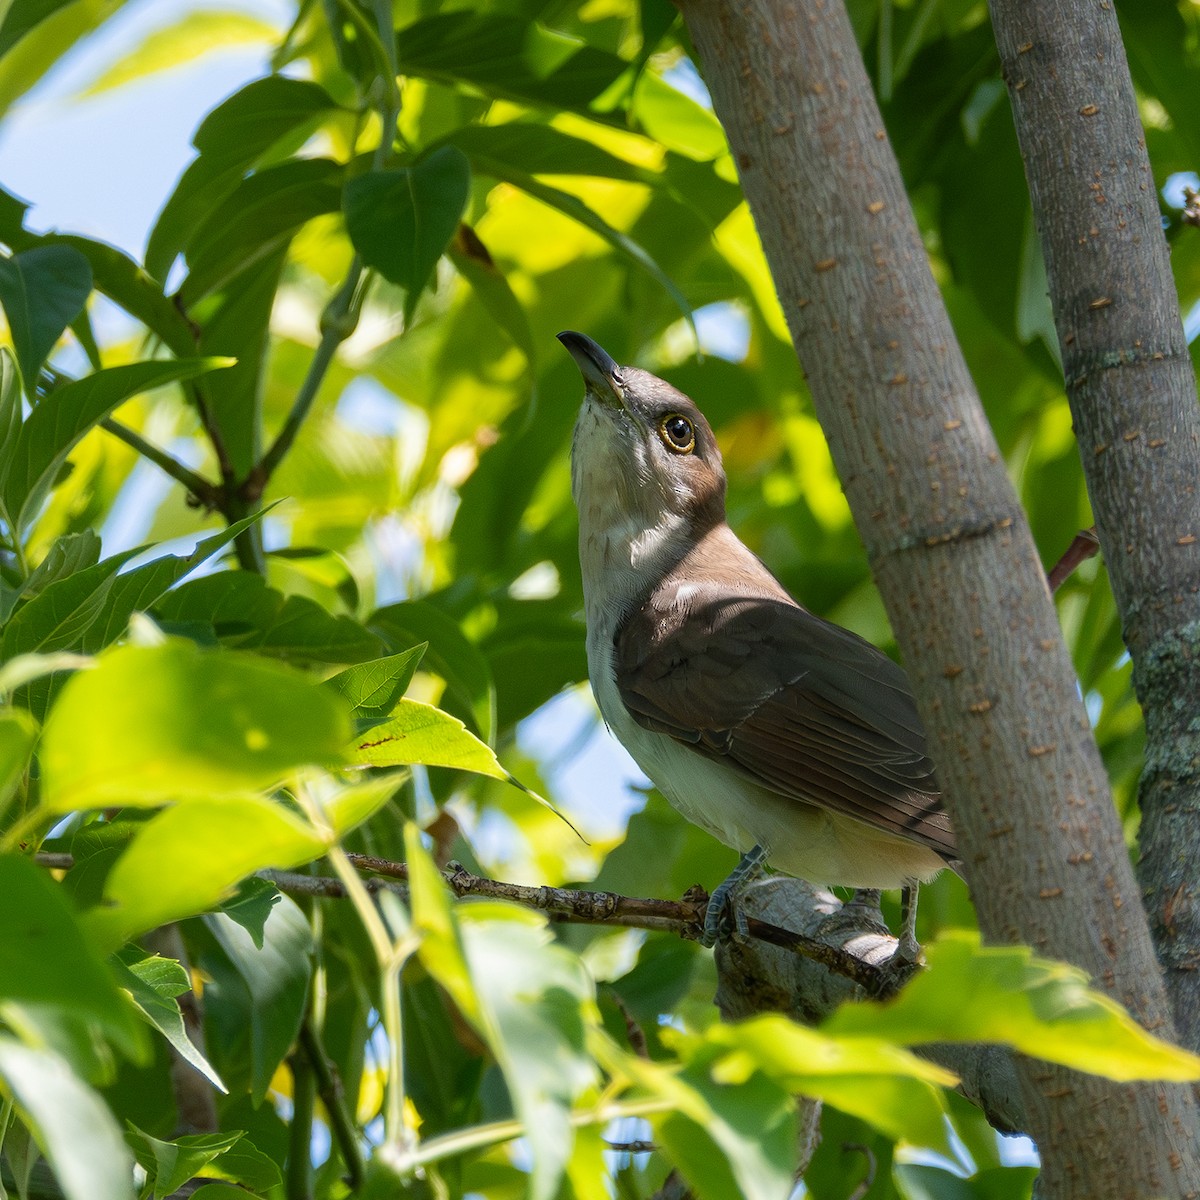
(804, 707)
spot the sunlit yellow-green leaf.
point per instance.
(441, 945)
(152, 724)
(974, 993)
(181, 43)
(190, 857)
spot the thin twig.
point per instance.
(333, 1096)
(684, 918)
(1086, 545)
(207, 493)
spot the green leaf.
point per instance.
(157, 724)
(473, 262)
(577, 210)
(245, 613)
(46, 961)
(169, 1165)
(441, 951)
(540, 1005)
(42, 290)
(258, 216)
(69, 554)
(63, 417)
(152, 984)
(70, 1123)
(893, 1090)
(507, 57)
(58, 618)
(544, 150)
(402, 221)
(182, 43)
(10, 407)
(256, 996)
(451, 655)
(676, 120)
(138, 589)
(190, 857)
(419, 733)
(372, 689)
(231, 139)
(18, 733)
(1005, 994)
(240, 327)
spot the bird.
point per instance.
(788, 738)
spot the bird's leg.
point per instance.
(746, 870)
(908, 949)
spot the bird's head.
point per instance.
(642, 449)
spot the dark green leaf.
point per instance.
(24, 15)
(373, 689)
(258, 216)
(543, 150)
(240, 328)
(402, 221)
(10, 408)
(507, 57)
(138, 589)
(577, 210)
(69, 554)
(473, 262)
(70, 1122)
(233, 137)
(58, 618)
(451, 655)
(169, 1165)
(251, 907)
(153, 983)
(42, 290)
(256, 998)
(66, 414)
(247, 614)
(46, 961)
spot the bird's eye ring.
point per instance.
(677, 433)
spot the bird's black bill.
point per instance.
(600, 370)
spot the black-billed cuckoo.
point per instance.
(788, 738)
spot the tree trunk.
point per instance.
(951, 550)
(1132, 392)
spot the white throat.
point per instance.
(627, 535)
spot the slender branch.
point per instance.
(299, 1176)
(333, 1096)
(204, 491)
(1086, 545)
(338, 322)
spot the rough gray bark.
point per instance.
(956, 565)
(1132, 392)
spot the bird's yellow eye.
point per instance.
(677, 433)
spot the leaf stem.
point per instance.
(337, 324)
(207, 493)
(481, 1136)
(391, 955)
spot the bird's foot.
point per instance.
(716, 923)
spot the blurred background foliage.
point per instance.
(556, 165)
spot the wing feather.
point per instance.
(803, 707)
